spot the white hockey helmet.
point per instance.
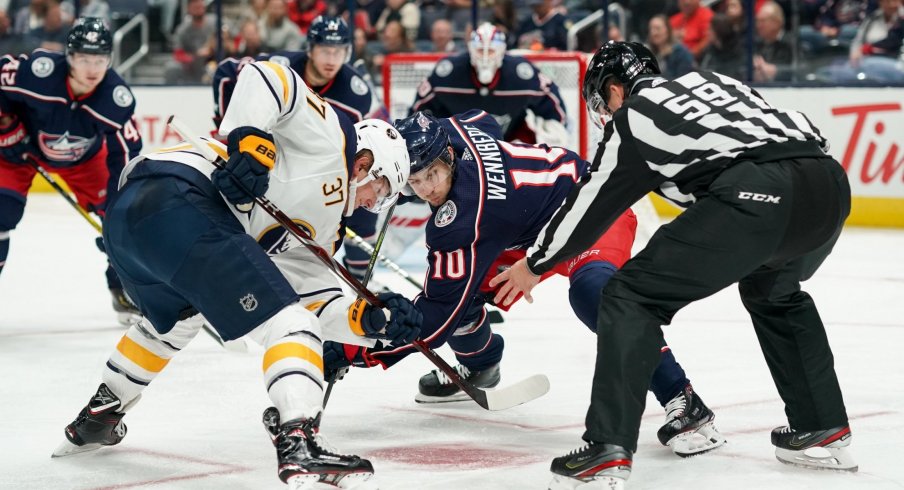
(486, 48)
(390, 158)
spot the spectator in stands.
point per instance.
(253, 11)
(363, 55)
(9, 43)
(734, 10)
(168, 10)
(546, 28)
(441, 37)
(30, 17)
(874, 29)
(673, 57)
(691, 26)
(193, 45)
(395, 40)
(772, 61)
(249, 40)
(52, 35)
(87, 8)
(839, 19)
(403, 11)
(504, 17)
(372, 8)
(303, 12)
(724, 54)
(277, 30)
(880, 63)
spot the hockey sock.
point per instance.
(669, 378)
(293, 362)
(4, 248)
(474, 343)
(584, 293)
(141, 355)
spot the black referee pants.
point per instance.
(765, 226)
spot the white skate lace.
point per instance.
(675, 407)
(462, 371)
(578, 450)
(323, 444)
(786, 430)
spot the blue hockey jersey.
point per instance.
(69, 130)
(502, 196)
(453, 88)
(347, 92)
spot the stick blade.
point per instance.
(522, 392)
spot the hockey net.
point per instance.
(402, 73)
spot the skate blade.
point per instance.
(457, 397)
(67, 448)
(694, 443)
(358, 481)
(816, 458)
(303, 482)
(560, 482)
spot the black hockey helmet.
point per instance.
(426, 139)
(624, 61)
(89, 35)
(329, 30)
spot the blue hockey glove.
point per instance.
(245, 176)
(404, 319)
(15, 142)
(337, 356)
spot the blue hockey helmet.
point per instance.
(329, 30)
(91, 36)
(624, 61)
(426, 139)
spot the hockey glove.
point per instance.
(402, 327)
(245, 176)
(337, 356)
(15, 142)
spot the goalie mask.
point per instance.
(391, 164)
(486, 49)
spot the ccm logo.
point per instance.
(753, 196)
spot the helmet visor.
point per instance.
(428, 181)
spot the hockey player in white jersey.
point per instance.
(182, 236)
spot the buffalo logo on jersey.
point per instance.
(276, 240)
(64, 147)
(248, 302)
(445, 214)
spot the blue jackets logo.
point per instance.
(64, 147)
(445, 214)
(248, 302)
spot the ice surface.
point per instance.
(198, 425)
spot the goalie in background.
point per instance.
(490, 199)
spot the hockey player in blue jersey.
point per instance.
(523, 100)
(490, 199)
(73, 114)
(183, 239)
(324, 67)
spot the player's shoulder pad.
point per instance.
(293, 59)
(482, 120)
(281, 80)
(349, 81)
(519, 71)
(228, 68)
(40, 71)
(113, 98)
(449, 65)
(451, 225)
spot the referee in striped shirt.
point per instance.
(765, 205)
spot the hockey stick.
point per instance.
(97, 226)
(340, 373)
(500, 399)
(494, 316)
(53, 183)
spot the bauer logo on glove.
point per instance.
(252, 154)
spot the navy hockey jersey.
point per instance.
(347, 92)
(69, 130)
(502, 197)
(453, 88)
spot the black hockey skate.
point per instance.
(305, 459)
(802, 448)
(126, 312)
(600, 465)
(436, 387)
(688, 428)
(98, 424)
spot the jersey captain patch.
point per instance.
(64, 147)
(445, 214)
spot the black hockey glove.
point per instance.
(245, 176)
(337, 356)
(403, 326)
(15, 142)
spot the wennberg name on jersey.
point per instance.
(69, 130)
(501, 190)
(347, 92)
(453, 88)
